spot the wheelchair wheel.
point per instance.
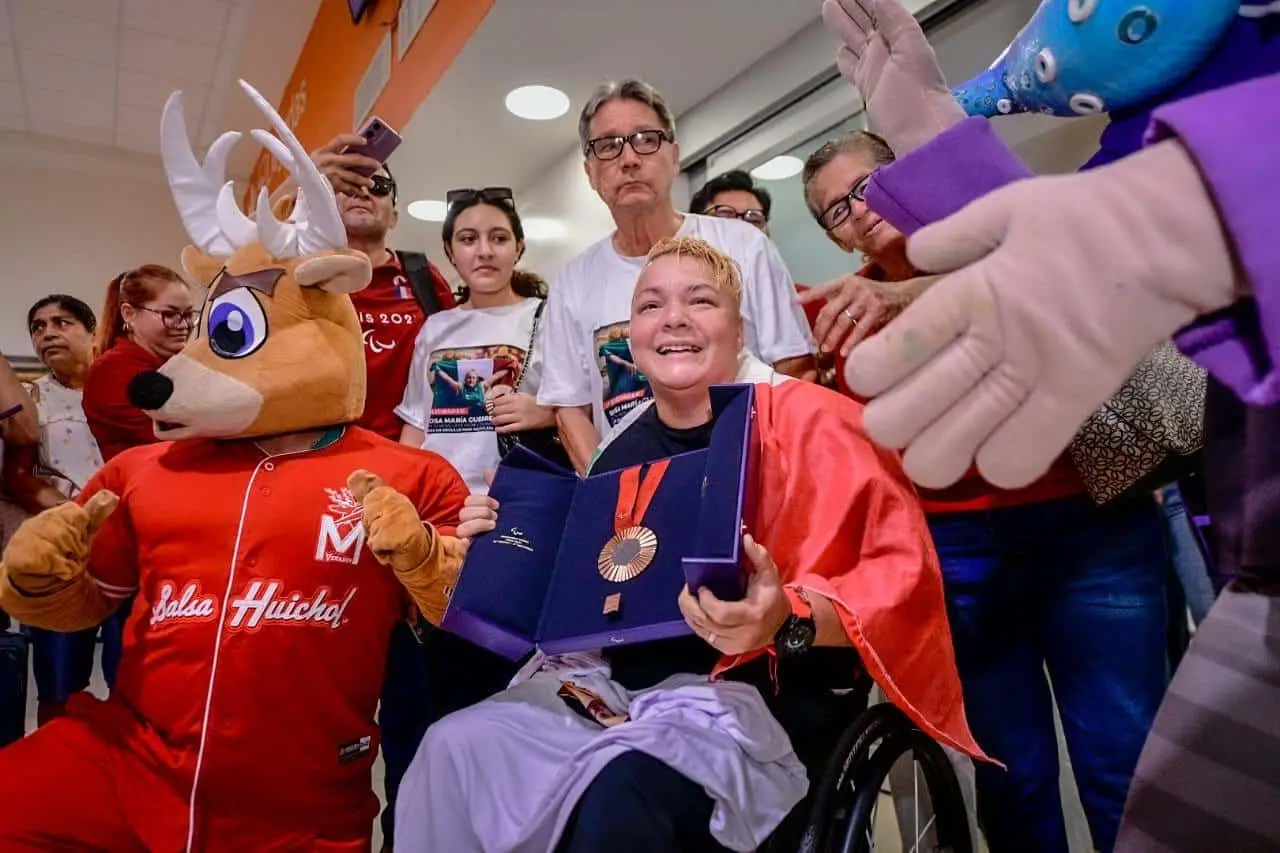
(843, 814)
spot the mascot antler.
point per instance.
(206, 200)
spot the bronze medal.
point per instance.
(633, 546)
(628, 554)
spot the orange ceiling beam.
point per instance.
(318, 101)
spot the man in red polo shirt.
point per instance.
(393, 307)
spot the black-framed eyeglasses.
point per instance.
(835, 215)
(642, 142)
(751, 216)
(172, 319)
(487, 194)
(382, 186)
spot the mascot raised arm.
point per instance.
(1058, 286)
(268, 550)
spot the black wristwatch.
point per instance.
(797, 634)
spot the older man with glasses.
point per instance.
(628, 140)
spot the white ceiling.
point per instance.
(99, 71)
(463, 136)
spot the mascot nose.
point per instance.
(150, 391)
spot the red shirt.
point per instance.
(390, 318)
(116, 423)
(972, 493)
(257, 593)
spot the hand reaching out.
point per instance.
(857, 307)
(1061, 286)
(887, 57)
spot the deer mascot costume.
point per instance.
(269, 564)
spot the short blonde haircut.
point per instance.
(725, 275)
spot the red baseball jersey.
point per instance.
(390, 318)
(116, 423)
(255, 650)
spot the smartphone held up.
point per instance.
(380, 140)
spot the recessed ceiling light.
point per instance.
(428, 210)
(779, 168)
(538, 228)
(537, 103)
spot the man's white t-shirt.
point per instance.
(460, 354)
(587, 356)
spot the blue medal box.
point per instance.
(536, 582)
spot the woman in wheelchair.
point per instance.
(637, 748)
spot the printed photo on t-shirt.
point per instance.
(460, 377)
(624, 386)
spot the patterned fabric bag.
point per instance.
(1157, 414)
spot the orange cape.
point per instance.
(840, 518)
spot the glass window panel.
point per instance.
(809, 253)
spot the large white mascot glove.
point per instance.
(887, 57)
(1063, 285)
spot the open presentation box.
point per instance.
(546, 577)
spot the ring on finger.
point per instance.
(849, 315)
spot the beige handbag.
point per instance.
(1157, 414)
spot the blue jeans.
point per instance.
(1079, 590)
(1188, 559)
(63, 662)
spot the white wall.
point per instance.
(74, 218)
(563, 194)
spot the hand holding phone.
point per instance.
(349, 159)
(379, 140)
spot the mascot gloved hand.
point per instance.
(887, 57)
(46, 558)
(426, 562)
(994, 365)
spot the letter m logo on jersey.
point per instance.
(341, 538)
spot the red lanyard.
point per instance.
(635, 494)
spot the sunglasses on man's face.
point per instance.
(382, 186)
(489, 194)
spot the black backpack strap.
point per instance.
(418, 270)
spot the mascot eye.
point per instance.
(237, 325)
(1138, 25)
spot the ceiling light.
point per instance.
(428, 210)
(537, 103)
(779, 168)
(538, 228)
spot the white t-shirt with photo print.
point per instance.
(587, 356)
(459, 354)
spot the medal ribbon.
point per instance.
(635, 494)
